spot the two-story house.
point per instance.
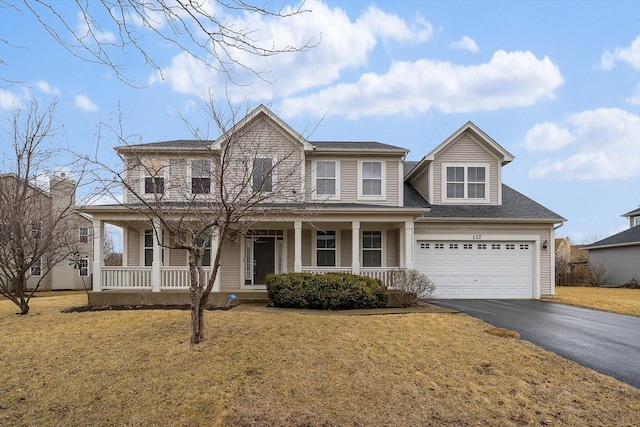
(618, 256)
(343, 206)
(55, 269)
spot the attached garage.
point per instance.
(478, 269)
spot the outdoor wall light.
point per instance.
(545, 245)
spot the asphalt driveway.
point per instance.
(606, 342)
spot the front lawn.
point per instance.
(287, 369)
(615, 300)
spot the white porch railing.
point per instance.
(382, 273)
(126, 277)
(140, 277)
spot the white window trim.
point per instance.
(465, 200)
(314, 255)
(80, 235)
(383, 245)
(274, 175)
(190, 175)
(163, 261)
(314, 180)
(636, 221)
(143, 176)
(383, 185)
(39, 263)
(87, 267)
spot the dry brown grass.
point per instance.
(615, 300)
(264, 369)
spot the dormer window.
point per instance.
(636, 221)
(465, 182)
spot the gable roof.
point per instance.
(515, 206)
(477, 134)
(629, 237)
(634, 212)
(262, 110)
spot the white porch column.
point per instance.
(297, 260)
(98, 254)
(408, 244)
(355, 247)
(157, 261)
(215, 239)
(125, 247)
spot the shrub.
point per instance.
(331, 291)
(413, 286)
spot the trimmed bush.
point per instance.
(331, 291)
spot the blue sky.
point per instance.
(555, 83)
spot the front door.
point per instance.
(264, 258)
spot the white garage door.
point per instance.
(477, 269)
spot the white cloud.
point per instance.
(89, 32)
(547, 137)
(635, 98)
(465, 43)
(85, 104)
(629, 55)
(9, 101)
(46, 88)
(605, 147)
(338, 42)
(510, 79)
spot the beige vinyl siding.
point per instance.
(346, 247)
(230, 266)
(465, 150)
(392, 249)
(470, 228)
(133, 247)
(392, 182)
(421, 183)
(178, 257)
(349, 181)
(307, 246)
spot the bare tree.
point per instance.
(237, 180)
(36, 227)
(205, 30)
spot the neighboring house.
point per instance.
(358, 207)
(64, 275)
(570, 263)
(619, 255)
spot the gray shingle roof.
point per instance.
(626, 237)
(408, 166)
(355, 145)
(634, 212)
(177, 143)
(514, 206)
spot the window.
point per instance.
(326, 178)
(148, 248)
(326, 248)
(466, 182)
(636, 221)
(372, 248)
(206, 256)
(36, 229)
(83, 267)
(84, 235)
(372, 178)
(263, 175)
(36, 268)
(153, 170)
(200, 177)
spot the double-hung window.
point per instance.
(84, 235)
(36, 229)
(325, 248)
(372, 178)
(465, 182)
(36, 268)
(206, 256)
(262, 175)
(148, 248)
(326, 173)
(83, 267)
(372, 248)
(200, 176)
(154, 171)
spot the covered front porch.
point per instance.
(374, 246)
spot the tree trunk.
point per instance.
(197, 318)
